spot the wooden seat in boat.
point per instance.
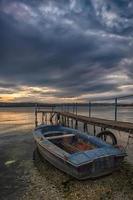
(59, 136)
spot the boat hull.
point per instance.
(82, 172)
(82, 164)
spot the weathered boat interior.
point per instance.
(70, 143)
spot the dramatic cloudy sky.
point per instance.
(65, 50)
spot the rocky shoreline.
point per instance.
(23, 177)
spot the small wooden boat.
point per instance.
(76, 153)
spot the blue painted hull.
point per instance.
(82, 165)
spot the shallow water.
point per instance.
(22, 177)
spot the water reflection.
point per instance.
(16, 119)
(19, 120)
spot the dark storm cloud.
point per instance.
(72, 46)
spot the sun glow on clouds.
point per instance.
(45, 95)
(35, 94)
(6, 98)
(65, 51)
(9, 97)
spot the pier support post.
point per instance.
(115, 109)
(71, 122)
(76, 109)
(60, 120)
(42, 117)
(46, 118)
(94, 130)
(36, 121)
(102, 129)
(85, 128)
(68, 121)
(51, 118)
(76, 124)
(63, 120)
(89, 109)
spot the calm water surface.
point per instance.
(18, 172)
(22, 120)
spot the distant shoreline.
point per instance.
(31, 105)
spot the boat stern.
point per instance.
(97, 163)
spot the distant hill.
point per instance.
(31, 104)
(23, 104)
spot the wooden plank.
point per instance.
(59, 136)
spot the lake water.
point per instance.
(23, 179)
(22, 120)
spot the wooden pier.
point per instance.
(68, 114)
(70, 119)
